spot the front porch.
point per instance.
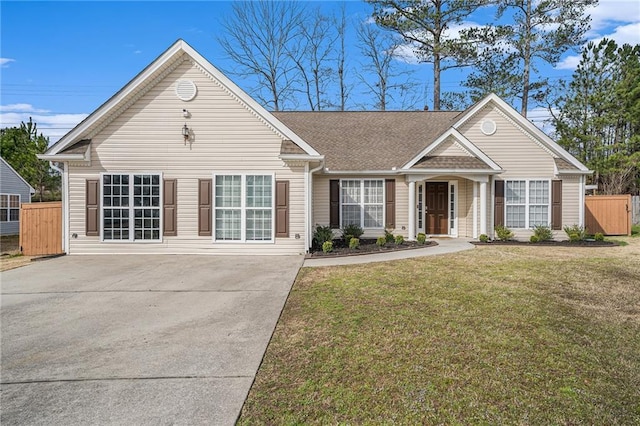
(449, 205)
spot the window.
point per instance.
(131, 207)
(527, 203)
(362, 202)
(9, 208)
(244, 207)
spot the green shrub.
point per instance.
(599, 236)
(327, 246)
(503, 233)
(388, 236)
(421, 238)
(543, 232)
(321, 235)
(575, 233)
(399, 239)
(351, 231)
(381, 241)
(534, 239)
(354, 243)
(483, 238)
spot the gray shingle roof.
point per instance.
(562, 164)
(78, 147)
(368, 140)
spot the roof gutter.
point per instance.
(413, 172)
(62, 157)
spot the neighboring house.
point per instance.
(14, 190)
(181, 160)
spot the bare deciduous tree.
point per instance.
(261, 37)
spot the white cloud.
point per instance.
(623, 34)
(608, 12)
(4, 62)
(21, 108)
(53, 126)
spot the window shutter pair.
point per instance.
(92, 214)
(556, 204)
(390, 203)
(205, 208)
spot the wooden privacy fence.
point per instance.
(41, 228)
(608, 214)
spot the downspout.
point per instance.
(63, 168)
(309, 205)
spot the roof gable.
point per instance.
(147, 78)
(527, 126)
(447, 137)
(8, 167)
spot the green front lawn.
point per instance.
(495, 335)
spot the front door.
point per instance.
(436, 210)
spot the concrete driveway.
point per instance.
(137, 339)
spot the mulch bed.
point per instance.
(565, 243)
(367, 246)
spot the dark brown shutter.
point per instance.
(204, 207)
(92, 216)
(556, 204)
(282, 208)
(334, 203)
(169, 217)
(390, 203)
(498, 214)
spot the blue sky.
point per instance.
(61, 60)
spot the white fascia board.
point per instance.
(525, 123)
(363, 172)
(31, 189)
(574, 172)
(453, 171)
(301, 157)
(466, 143)
(62, 157)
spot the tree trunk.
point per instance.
(436, 81)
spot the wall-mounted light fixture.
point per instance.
(185, 132)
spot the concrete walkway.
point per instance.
(445, 245)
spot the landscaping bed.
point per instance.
(367, 246)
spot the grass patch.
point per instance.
(496, 335)
(635, 230)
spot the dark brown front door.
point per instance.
(436, 207)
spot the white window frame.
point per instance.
(527, 203)
(131, 208)
(243, 207)
(362, 204)
(9, 208)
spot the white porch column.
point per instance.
(475, 209)
(483, 207)
(412, 211)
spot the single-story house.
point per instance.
(14, 190)
(181, 160)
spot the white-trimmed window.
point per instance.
(131, 207)
(9, 207)
(244, 207)
(527, 203)
(362, 202)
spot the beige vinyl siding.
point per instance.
(510, 147)
(226, 137)
(449, 148)
(570, 201)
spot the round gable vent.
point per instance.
(186, 90)
(488, 127)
